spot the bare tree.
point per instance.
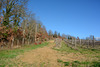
(55, 34)
(50, 33)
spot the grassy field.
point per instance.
(49, 56)
(6, 56)
(91, 57)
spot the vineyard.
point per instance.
(89, 44)
(26, 42)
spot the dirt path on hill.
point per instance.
(47, 57)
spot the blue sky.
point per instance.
(74, 17)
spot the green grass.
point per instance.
(89, 53)
(58, 60)
(66, 63)
(77, 62)
(42, 64)
(65, 48)
(7, 55)
(85, 63)
(96, 64)
(80, 64)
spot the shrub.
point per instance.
(35, 43)
(39, 42)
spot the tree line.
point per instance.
(18, 26)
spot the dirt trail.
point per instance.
(47, 56)
(39, 56)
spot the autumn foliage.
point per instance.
(19, 27)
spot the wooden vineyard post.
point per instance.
(72, 40)
(88, 43)
(75, 42)
(93, 42)
(80, 42)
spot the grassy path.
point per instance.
(7, 56)
(44, 56)
(48, 56)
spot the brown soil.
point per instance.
(47, 57)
